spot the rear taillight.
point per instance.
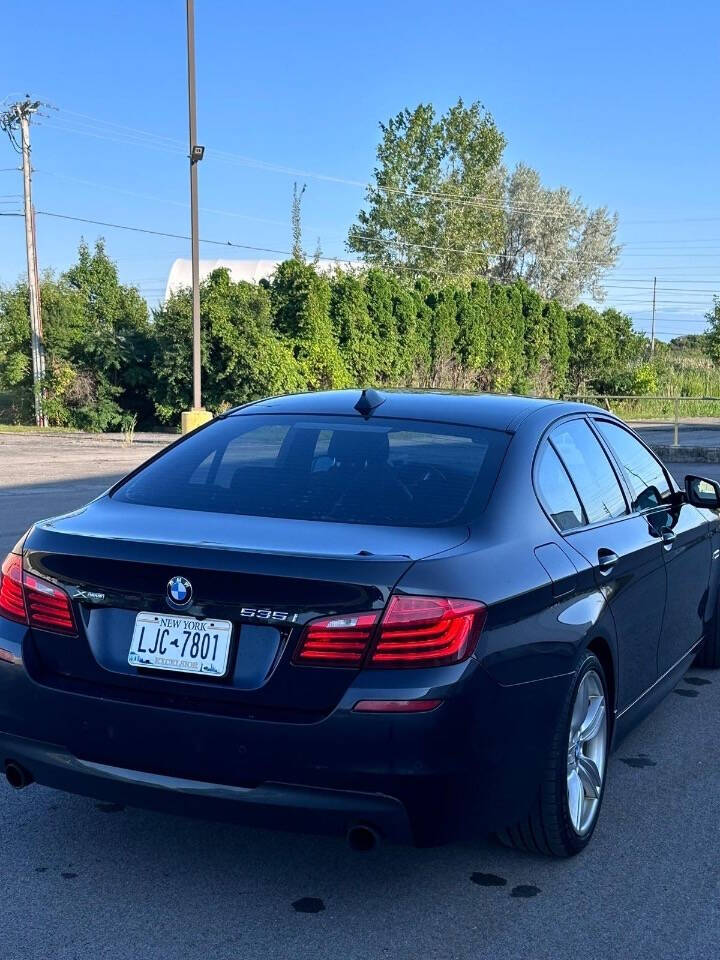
(427, 631)
(337, 641)
(12, 601)
(414, 632)
(28, 599)
(48, 606)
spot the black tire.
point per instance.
(548, 828)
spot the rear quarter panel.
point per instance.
(531, 632)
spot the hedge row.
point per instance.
(110, 359)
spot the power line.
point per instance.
(145, 138)
(123, 133)
(159, 233)
(237, 214)
(167, 200)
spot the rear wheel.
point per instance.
(565, 812)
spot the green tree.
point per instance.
(359, 344)
(559, 346)
(603, 347)
(552, 241)
(113, 343)
(300, 300)
(443, 334)
(97, 340)
(381, 289)
(711, 339)
(537, 340)
(412, 316)
(473, 316)
(242, 357)
(427, 168)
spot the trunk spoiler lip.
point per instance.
(48, 528)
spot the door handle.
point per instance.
(606, 559)
(668, 537)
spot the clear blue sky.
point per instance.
(618, 101)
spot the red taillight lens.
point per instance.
(414, 632)
(427, 631)
(48, 606)
(28, 599)
(12, 601)
(340, 641)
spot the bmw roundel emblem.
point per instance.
(179, 592)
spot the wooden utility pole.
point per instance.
(18, 116)
(38, 350)
(652, 329)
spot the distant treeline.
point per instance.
(111, 359)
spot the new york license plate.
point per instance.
(168, 642)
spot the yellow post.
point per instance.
(192, 419)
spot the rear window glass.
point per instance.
(342, 469)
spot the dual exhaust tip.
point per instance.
(361, 837)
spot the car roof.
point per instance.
(491, 410)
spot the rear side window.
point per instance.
(342, 469)
(590, 470)
(556, 492)
(645, 477)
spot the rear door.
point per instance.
(626, 557)
(685, 535)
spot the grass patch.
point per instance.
(27, 428)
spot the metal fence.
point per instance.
(610, 400)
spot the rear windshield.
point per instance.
(340, 469)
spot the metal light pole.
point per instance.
(197, 415)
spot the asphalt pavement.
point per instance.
(83, 879)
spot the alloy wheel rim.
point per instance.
(587, 749)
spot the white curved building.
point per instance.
(252, 271)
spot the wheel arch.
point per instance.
(602, 650)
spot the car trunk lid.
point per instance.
(267, 576)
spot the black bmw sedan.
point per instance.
(407, 615)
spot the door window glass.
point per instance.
(556, 492)
(646, 478)
(590, 470)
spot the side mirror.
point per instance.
(702, 493)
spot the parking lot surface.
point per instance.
(83, 879)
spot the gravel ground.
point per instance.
(84, 879)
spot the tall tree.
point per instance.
(436, 201)
(98, 342)
(554, 242)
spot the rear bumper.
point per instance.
(278, 805)
(474, 763)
